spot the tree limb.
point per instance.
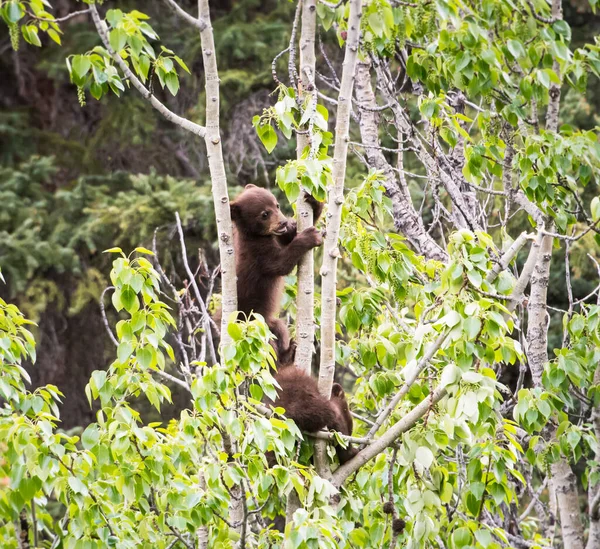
(137, 84)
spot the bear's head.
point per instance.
(256, 211)
(338, 399)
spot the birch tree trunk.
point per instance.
(216, 167)
(406, 219)
(220, 194)
(335, 200)
(564, 483)
(593, 541)
(305, 312)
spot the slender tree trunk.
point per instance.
(305, 307)
(593, 541)
(564, 483)
(216, 167)
(406, 220)
(220, 194)
(335, 201)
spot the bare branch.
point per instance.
(192, 279)
(388, 438)
(197, 22)
(71, 15)
(104, 319)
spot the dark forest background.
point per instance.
(75, 181)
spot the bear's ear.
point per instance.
(235, 211)
(337, 391)
(250, 186)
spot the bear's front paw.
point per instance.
(312, 236)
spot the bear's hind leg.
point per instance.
(284, 347)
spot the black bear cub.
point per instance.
(268, 247)
(299, 396)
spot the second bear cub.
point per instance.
(267, 248)
(299, 396)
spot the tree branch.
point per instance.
(137, 84)
(376, 447)
(199, 23)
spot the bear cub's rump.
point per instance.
(299, 396)
(267, 248)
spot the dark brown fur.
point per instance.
(299, 396)
(268, 247)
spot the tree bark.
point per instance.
(216, 167)
(406, 220)
(461, 216)
(335, 201)
(220, 194)
(305, 306)
(593, 541)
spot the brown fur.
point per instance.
(268, 247)
(299, 396)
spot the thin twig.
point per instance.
(199, 299)
(71, 15)
(104, 319)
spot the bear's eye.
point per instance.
(265, 215)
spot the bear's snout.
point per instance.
(281, 227)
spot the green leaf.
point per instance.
(144, 356)
(114, 251)
(118, 39)
(172, 81)
(99, 378)
(471, 327)
(124, 351)
(29, 487)
(14, 12)
(461, 537)
(235, 331)
(77, 486)
(81, 64)
(90, 437)
(475, 278)
(54, 36)
(268, 136)
(544, 79)
(516, 49)
(129, 299)
(96, 90)
(30, 33)
(182, 64)
(376, 23)
(424, 456)
(483, 536)
(144, 64)
(595, 208)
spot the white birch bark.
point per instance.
(564, 483)
(305, 306)
(335, 200)
(216, 167)
(406, 220)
